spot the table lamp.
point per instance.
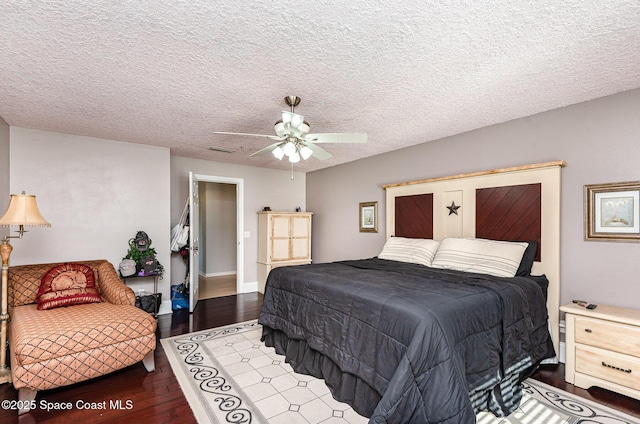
(22, 211)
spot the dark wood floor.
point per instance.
(157, 398)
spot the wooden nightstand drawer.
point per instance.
(608, 335)
(603, 348)
(613, 367)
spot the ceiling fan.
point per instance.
(293, 139)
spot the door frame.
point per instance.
(239, 183)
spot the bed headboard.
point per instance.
(515, 204)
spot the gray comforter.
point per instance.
(404, 343)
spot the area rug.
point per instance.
(229, 376)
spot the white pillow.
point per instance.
(417, 251)
(499, 258)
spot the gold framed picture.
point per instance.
(612, 211)
(368, 217)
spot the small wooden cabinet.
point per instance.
(603, 348)
(284, 238)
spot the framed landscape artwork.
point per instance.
(369, 217)
(612, 211)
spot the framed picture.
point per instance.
(368, 217)
(612, 211)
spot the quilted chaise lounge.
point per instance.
(65, 345)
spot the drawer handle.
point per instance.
(588, 330)
(604, 364)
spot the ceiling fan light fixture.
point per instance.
(296, 120)
(278, 152)
(289, 148)
(305, 152)
(304, 128)
(294, 158)
(280, 130)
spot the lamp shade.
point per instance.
(23, 210)
(305, 152)
(289, 148)
(280, 129)
(295, 157)
(278, 152)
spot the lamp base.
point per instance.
(5, 375)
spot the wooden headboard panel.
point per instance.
(514, 204)
(510, 213)
(414, 216)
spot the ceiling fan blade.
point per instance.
(272, 137)
(337, 138)
(264, 151)
(318, 152)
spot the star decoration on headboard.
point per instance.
(453, 209)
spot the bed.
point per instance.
(431, 330)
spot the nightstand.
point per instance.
(603, 348)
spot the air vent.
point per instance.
(221, 149)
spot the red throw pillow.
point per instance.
(67, 284)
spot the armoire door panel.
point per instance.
(280, 226)
(300, 226)
(280, 249)
(299, 248)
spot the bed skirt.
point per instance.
(344, 387)
(351, 389)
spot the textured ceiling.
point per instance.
(170, 73)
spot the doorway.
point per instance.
(199, 231)
(218, 245)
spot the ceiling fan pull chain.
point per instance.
(292, 172)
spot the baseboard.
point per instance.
(165, 307)
(249, 287)
(215, 274)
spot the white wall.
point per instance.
(96, 194)
(262, 187)
(599, 140)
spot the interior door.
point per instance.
(194, 242)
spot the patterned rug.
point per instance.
(229, 376)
